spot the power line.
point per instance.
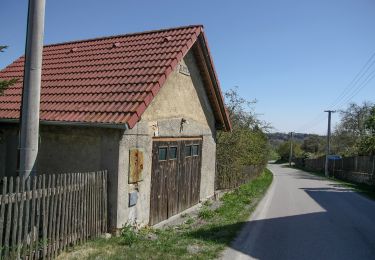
(310, 124)
(350, 91)
(358, 89)
(365, 68)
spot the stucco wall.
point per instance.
(65, 149)
(8, 150)
(72, 149)
(182, 96)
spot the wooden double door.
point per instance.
(175, 177)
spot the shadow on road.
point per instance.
(345, 230)
(307, 176)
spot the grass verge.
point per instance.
(202, 237)
(364, 189)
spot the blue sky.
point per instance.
(294, 56)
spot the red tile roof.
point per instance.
(107, 80)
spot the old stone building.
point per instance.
(144, 106)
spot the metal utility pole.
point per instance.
(29, 122)
(328, 148)
(291, 149)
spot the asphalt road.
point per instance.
(304, 216)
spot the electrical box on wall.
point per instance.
(135, 165)
(133, 198)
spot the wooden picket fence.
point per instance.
(357, 169)
(226, 178)
(41, 215)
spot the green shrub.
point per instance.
(189, 221)
(245, 145)
(207, 203)
(128, 235)
(206, 213)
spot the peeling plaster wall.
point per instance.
(182, 96)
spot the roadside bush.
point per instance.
(284, 150)
(207, 203)
(246, 145)
(206, 213)
(128, 235)
(354, 134)
(366, 145)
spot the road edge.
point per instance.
(261, 207)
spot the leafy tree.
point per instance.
(273, 154)
(242, 112)
(370, 122)
(366, 145)
(354, 117)
(247, 144)
(344, 143)
(284, 150)
(313, 144)
(4, 84)
(351, 129)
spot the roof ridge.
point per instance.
(126, 34)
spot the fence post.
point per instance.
(38, 215)
(13, 243)
(342, 166)
(105, 200)
(45, 202)
(9, 216)
(2, 213)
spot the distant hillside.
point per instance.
(276, 139)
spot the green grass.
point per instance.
(206, 213)
(364, 189)
(203, 237)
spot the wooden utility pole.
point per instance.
(328, 147)
(29, 118)
(291, 149)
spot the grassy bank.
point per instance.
(201, 237)
(364, 189)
